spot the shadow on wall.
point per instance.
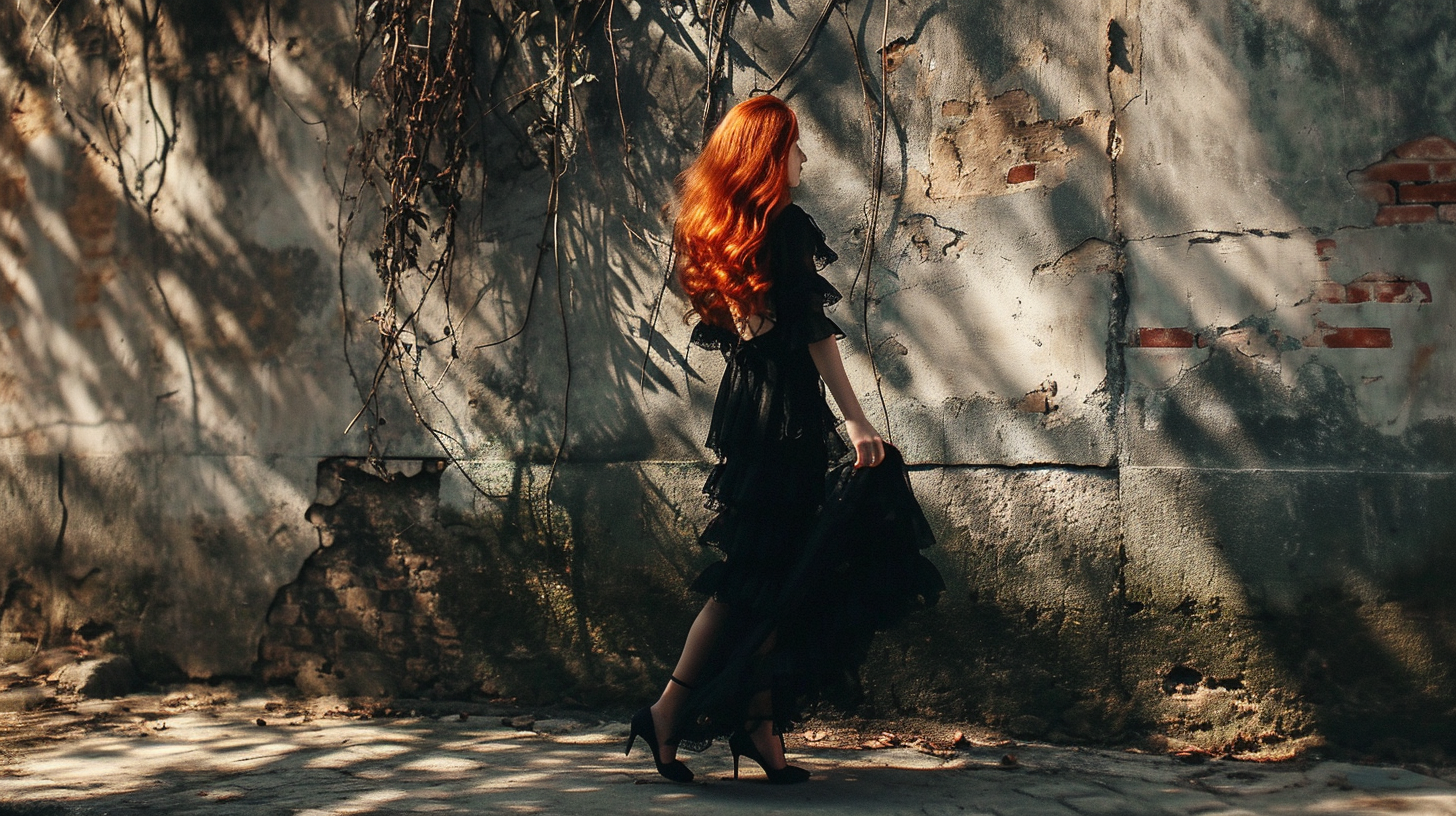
(185, 306)
(152, 358)
(1286, 452)
(177, 373)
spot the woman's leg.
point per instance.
(761, 719)
(701, 638)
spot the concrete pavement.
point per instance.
(218, 755)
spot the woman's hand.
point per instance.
(869, 448)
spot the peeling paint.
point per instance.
(991, 147)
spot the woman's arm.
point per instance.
(869, 448)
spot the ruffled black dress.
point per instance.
(817, 556)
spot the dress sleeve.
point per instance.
(816, 325)
(714, 338)
(801, 293)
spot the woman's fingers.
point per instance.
(869, 452)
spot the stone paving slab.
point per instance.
(219, 761)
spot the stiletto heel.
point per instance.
(642, 726)
(741, 743)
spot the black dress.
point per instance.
(817, 555)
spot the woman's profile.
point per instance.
(816, 557)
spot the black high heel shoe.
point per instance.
(741, 743)
(642, 726)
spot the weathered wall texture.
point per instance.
(1157, 298)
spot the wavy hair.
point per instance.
(726, 200)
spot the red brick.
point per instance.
(1397, 291)
(1394, 171)
(1381, 192)
(1357, 338)
(1443, 193)
(1428, 147)
(1021, 173)
(1447, 212)
(1324, 246)
(1329, 292)
(1404, 214)
(1443, 171)
(1166, 338)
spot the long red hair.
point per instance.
(727, 199)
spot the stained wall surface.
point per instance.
(1155, 298)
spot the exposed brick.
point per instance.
(393, 623)
(1443, 171)
(359, 599)
(347, 619)
(1428, 147)
(273, 652)
(1021, 173)
(1324, 246)
(1165, 338)
(1441, 193)
(1327, 291)
(1037, 402)
(1390, 214)
(1394, 171)
(1388, 292)
(1357, 338)
(955, 107)
(1447, 212)
(1381, 192)
(387, 583)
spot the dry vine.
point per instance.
(419, 144)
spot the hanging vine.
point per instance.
(417, 145)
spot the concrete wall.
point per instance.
(1155, 297)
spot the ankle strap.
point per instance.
(687, 686)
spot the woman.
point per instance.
(807, 576)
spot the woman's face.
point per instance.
(796, 163)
